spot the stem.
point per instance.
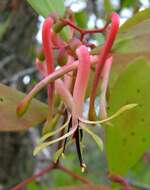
(139, 185)
(119, 179)
(32, 178)
(74, 175)
(102, 58)
(84, 31)
(71, 24)
(47, 169)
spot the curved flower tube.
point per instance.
(68, 78)
(59, 86)
(64, 94)
(79, 90)
(24, 104)
(102, 58)
(104, 87)
(81, 79)
(48, 52)
(47, 44)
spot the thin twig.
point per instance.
(84, 31)
(74, 175)
(139, 185)
(32, 178)
(47, 169)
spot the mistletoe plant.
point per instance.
(75, 70)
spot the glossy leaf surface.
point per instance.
(45, 7)
(129, 135)
(132, 42)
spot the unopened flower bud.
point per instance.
(62, 57)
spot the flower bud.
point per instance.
(62, 57)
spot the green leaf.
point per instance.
(134, 34)
(32, 186)
(127, 3)
(45, 7)
(136, 19)
(135, 37)
(96, 138)
(99, 38)
(9, 99)
(132, 42)
(81, 19)
(108, 6)
(129, 135)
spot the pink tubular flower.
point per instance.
(80, 86)
(24, 104)
(48, 52)
(102, 58)
(68, 78)
(104, 86)
(60, 86)
(47, 44)
(81, 79)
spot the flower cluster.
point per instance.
(66, 67)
